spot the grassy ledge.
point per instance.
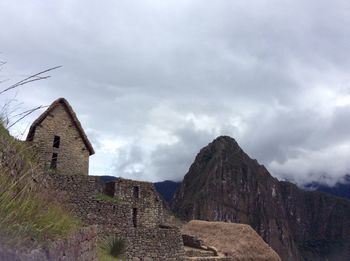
(107, 198)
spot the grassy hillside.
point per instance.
(27, 212)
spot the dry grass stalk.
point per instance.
(26, 214)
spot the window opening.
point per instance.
(134, 217)
(54, 161)
(56, 142)
(136, 191)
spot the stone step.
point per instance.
(195, 252)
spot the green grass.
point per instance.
(112, 249)
(104, 256)
(27, 212)
(107, 198)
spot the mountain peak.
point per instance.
(225, 184)
(222, 147)
(220, 143)
(227, 140)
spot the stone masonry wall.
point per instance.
(82, 191)
(73, 156)
(143, 197)
(155, 244)
(76, 186)
(80, 246)
(147, 238)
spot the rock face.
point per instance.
(225, 184)
(319, 223)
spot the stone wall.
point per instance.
(76, 186)
(73, 156)
(82, 191)
(192, 241)
(143, 197)
(145, 237)
(155, 244)
(80, 246)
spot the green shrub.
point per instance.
(112, 248)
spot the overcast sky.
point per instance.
(154, 81)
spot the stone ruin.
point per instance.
(135, 214)
(135, 211)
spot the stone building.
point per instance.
(60, 141)
(133, 210)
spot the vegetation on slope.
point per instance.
(112, 249)
(103, 197)
(27, 212)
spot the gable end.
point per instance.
(72, 115)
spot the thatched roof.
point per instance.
(71, 113)
(238, 241)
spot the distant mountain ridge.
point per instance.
(106, 179)
(167, 189)
(340, 189)
(225, 184)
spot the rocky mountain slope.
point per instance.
(225, 184)
(341, 189)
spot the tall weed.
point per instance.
(27, 211)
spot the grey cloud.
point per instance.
(165, 161)
(265, 72)
(305, 137)
(172, 161)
